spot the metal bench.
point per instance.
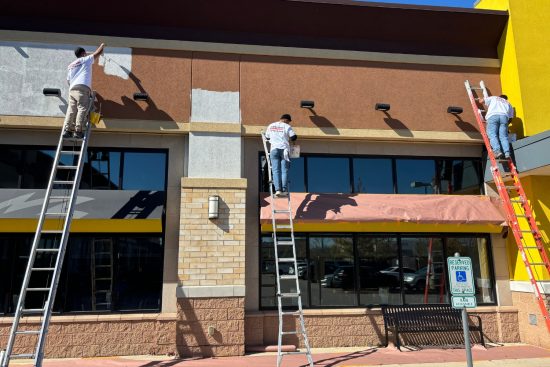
(425, 319)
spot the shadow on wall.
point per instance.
(517, 127)
(323, 123)
(133, 108)
(469, 128)
(141, 205)
(322, 204)
(191, 340)
(397, 125)
(223, 216)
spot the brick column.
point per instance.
(211, 271)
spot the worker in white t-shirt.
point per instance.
(279, 134)
(499, 114)
(79, 78)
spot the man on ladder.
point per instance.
(499, 114)
(79, 78)
(279, 133)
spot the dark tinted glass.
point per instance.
(328, 175)
(466, 177)
(428, 284)
(297, 175)
(415, 176)
(100, 274)
(379, 276)
(144, 171)
(333, 277)
(373, 175)
(101, 170)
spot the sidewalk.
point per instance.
(514, 355)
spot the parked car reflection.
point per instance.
(369, 277)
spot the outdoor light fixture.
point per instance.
(307, 104)
(141, 96)
(454, 110)
(382, 107)
(213, 206)
(50, 92)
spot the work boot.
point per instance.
(67, 134)
(78, 135)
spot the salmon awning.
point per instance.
(387, 213)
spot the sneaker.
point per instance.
(284, 194)
(507, 156)
(67, 134)
(278, 193)
(78, 135)
(499, 155)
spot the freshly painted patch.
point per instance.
(117, 61)
(210, 106)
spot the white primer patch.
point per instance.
(26, 68)
(210, 106)
(117, 61)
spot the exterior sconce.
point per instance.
(51, 92)
(307, 104)
(454, 110)
(141, 96)
(382, 107)
(213, 206)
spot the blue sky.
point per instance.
(457, 3)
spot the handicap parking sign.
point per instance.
(461, 276)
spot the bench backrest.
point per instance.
(418, 315)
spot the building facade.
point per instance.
(376, 193)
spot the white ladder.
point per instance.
(292, 275)
(46, 257)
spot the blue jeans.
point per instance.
(497, 131)
(280, 169)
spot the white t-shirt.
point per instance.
(80, 71)
(278, 134)
(498, 106)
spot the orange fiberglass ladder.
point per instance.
(518, 211)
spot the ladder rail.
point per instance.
(54, 282)
(278, 277)
(511, 212)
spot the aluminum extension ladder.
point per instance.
(45, 262)
(280, 244)
(518, 211)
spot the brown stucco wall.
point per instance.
(164, 74)
(216, 72)
(345, 93)
(527, 304)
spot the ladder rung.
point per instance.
(103, 304)
(287, 276)
(522, 216)
(22, 356)
(43, 269)
(475, 88)
(74, 152)
(52, 231)
(59, 182)
(289, 295)
(32, 310)
(285, 243)
(103, 266)
(66, 167)
(527, 231)
(28, 332)
(286, 259)
(291, 332)
(520, 201)
(38, 289)
(533, 247)
(281, 211)
(47, 250)
(54, 214)
(60, 197)
(103, 291)
(102, 253)
(103, 278)
(511, 187)
(297, 352)
(291, 313)
(537, 264)
(282, 226)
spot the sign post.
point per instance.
(461, 280)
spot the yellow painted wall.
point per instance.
(525, 78)
(525, 58)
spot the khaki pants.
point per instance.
(79, 102)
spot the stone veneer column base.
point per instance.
(209, 327)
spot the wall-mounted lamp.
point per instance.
(307, 104)
(454, 110)
(382, 107)
(51, 92)
(213, 206)
(141, 96)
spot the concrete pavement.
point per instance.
(514, 355)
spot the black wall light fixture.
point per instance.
(141, 96)
(307, 104)
(454, 110)
(52, 92)
(382, 107)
